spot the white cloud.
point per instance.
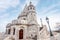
(54, 19)
(45, 10)
(3, 21)
(7, 3)
(4, 16)
(52, 12)
(4, 4)
(3, 25)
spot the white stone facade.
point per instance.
(27, 22)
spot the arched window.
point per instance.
(24, 18)
(30, 7)
(9, 31)
(13, 31)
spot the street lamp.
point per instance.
(47, 19)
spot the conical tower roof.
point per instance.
(26, 9)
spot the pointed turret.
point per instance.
(30, 3)
(29, 14)
(31, 7)
(24, 12)
(25, 8)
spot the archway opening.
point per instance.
(9, 31)
(21, 34)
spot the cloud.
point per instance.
(45, 10)
(7, 3)
(52, 12)
(3, 25)
(6, 7)
(4, 16)
(3, 21)
(4, 4)
(54, 19)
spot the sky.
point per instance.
(10, 10)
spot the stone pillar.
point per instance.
(11, 31)
(16, 34)
(25, 33)
(58, 36)
(6, 30)
(38, 36)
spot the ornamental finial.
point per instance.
(30, 2)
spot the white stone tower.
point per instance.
(25, 27)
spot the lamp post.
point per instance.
(47, 19)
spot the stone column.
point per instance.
(12, 31)
(38, 36)
(7, 31)
(16, 34)
(58, 37)
(25, 33)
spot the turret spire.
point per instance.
(25, 7)
(30, 2)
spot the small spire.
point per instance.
(30, 2)
(25, 7)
